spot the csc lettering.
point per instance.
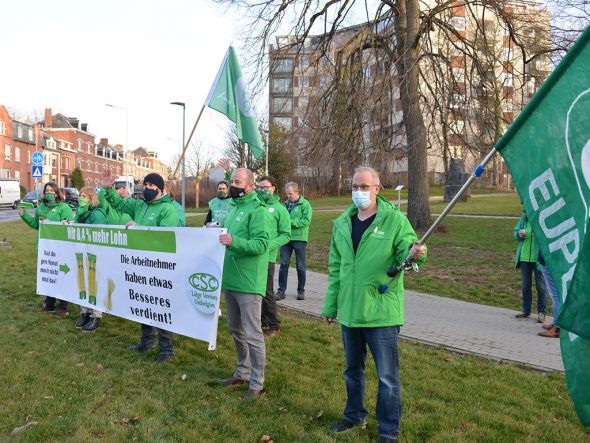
(204, 282)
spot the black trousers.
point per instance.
(148, 338)
(50, 303)
(270, 318)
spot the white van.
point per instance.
(9, 193)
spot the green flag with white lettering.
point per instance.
(228, 96)
(547, 150)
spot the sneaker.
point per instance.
(272, 333)
(163, 358)
(92, 325)
(232, 381)
(280, 295)
(140, 347)
(541, 317)
(251, 394)
(300, 295)
(346, 425)
(523, 315)
(84, 318)
(552, 333)
(61, 312)
(47, 308)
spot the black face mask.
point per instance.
(236, 192)
(149, 194)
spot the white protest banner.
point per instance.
(165, 277)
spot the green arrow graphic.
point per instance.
(64, 268)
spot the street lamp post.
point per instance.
(183, 162)
(125, 172)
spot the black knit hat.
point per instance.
(154, 179)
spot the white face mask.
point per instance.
(361, 199)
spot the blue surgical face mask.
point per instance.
(361, 199)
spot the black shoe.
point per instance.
(346, 425)
(280, 295)
(163, 358)
(300, 295)
(385, 439)
(84, 318)
(47, 308)
(252, 394)
(523, 315)
(232, 381)
(140, 347)
(92, 325)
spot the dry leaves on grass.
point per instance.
(266, 438)
(28, 422)
(79, 365)
(99, 367)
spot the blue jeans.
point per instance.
(286, 251)
(552, 289)
(527, 269)
(383, 345)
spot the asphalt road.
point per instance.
(8, 214)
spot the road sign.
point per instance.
(37, 158)
(37, 171)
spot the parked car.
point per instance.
(71, 196)
(9, 193)
(32, 197)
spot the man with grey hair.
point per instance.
(244, 280)
(300, 213)
(371, 236)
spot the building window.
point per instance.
(284, 65)
(89, 166)
(90, 148)
(7, 173)
(30, 134)
(507, 79)
(282, 85)
(79, 145)
(29, 156)
(17, 175)
(284, 122)
(6, 152)
(96, 167)
(458, 23)
(2, 128)
(53, 161)
(19, 131)
(16, 154)
(282, 104)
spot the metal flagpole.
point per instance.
(408, 263)
(190, 137)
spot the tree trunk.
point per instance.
(407, 24)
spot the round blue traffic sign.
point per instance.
(37, 157)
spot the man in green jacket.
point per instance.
(368, 238)
(244, 280)
(300, 212)
(280, 233)
(154, 209)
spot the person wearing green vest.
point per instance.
(526, 260)
(52, 208)
(280, 233)
(370, 236)
(89, 213)
(244, 280)
(154, 209)
(179, 210)
(300, 212)
(219, 206)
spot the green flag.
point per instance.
(547, 150)
(228, 96)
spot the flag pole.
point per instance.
(188, 142)
(407, 263)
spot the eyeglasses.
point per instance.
(263, 188)
(362, 187)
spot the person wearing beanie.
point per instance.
(154, 209)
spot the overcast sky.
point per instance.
(76, 56)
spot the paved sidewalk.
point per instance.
(455, 325)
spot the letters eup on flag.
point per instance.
(547, 150)
(228, 96)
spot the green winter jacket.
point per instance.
(91, 216)
(300, 219)
(219, 208)
(53, 212)
(527, 247)
(280, 225)
(114, 217)
(354, 280)
(180, 211)
(246, 261)
(157, 213)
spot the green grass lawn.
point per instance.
(87, 387)
(505, 204)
